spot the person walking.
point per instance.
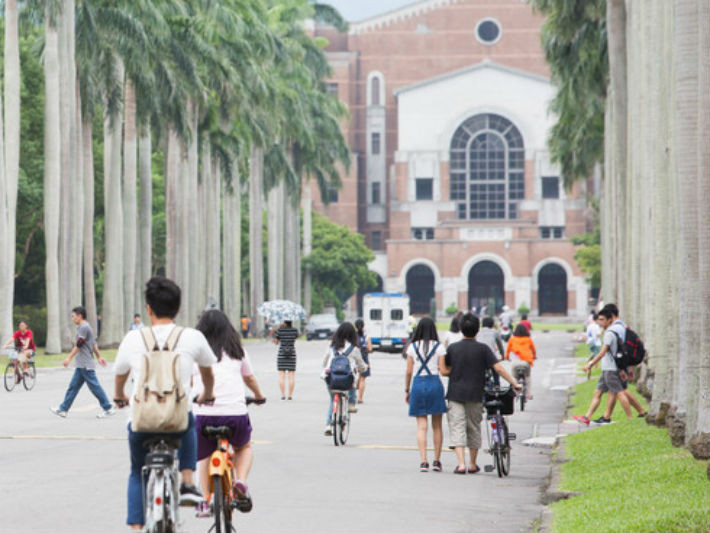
(137, 322)
(245, 323)
(466, 363)
(365, 349)
(286, 337)
(521, 353)
(162, 297)
(424, 392)
(232, 373)
(85, 372)
(454, 334)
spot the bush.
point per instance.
(36, 318)
(523, 309)
(452, 309)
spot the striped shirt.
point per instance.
(287, 337)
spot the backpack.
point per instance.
(341, 375)
(630, 351)
(160, 405)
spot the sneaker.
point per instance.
(642, 415)
(203, 510)
(328, 431)
(57, 411)
(352, 409)
(581, 419)
(244, 502)
(190, 495)
(108, 412)
(436, 466)
(424, 467)
(602, 420)
(459, 470)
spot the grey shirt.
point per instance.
(85, 340)
(491, 338)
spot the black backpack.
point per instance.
(630, 351)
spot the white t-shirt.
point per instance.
(594, 332)
(192, 347)
(452, 337)
(229, 390)
(433, 363)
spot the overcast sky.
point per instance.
(354, 10)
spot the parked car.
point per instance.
(321, 327)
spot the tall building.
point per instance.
(451, 183)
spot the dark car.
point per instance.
(321, 327)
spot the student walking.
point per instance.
(466, 363)
(425, 393)
(85, 372)
(286, 337)
(454, 334)
(521, 353)
(365, 349)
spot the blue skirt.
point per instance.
(426, 396)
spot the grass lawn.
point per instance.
(47, 361)
(630, 477)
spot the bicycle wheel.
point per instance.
(504, 448)
(523, 394)
(334, 417)
(28, 380)
(218, 505)
(344, 420)
(10, 378)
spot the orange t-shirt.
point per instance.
(523, 347)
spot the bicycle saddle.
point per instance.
(214, 432)
(157, 440)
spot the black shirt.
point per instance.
(468, 360)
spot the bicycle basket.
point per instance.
(505, 397)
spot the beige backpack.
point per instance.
(160, 404)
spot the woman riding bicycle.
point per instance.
(231, 373)
(521, 352)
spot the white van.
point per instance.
(386, 319)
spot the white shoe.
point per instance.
(57, 411)
(328, 431)
(107, 413)
(352, 409)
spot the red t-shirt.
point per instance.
(527, 325)
(20, 339)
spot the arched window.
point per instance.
(375, 90)
(420, 288)
(487, 162)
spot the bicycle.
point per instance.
(520, 378)
(14, 374)
(160, 479)
(222, 476)
(499, 402)
(340, 418)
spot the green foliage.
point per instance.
(338, 264)
(589, 256)
(452, 309)
(575, 44)
(523, 309)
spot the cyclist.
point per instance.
(162, 298)
(521, 353)
(365, 349)
(344, 342)
(24, 343)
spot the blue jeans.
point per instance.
(187, 454)
(80, 376)
(352, 400)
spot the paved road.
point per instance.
(70, 474)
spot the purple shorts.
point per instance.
(240, 436)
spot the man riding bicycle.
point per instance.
(24, 343)
(162, 298)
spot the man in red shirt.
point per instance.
(24, 343)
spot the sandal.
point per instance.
(458, 470)
(437, 466)
(424, 467)
(475, 470)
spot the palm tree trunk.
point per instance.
(113, 305)
(52, 181)
(210, 216)
(172, 179)
(10, 145)
(130, 208)
(89, 284)
(231, 249)
(307, 245)
(291, 242)
(195, 260)
(256, 260)
(273, 242)
(145, 216)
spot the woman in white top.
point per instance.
(231, 373)
(454, 334)
(425, 396)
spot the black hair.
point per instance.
(163, 296)
(137, 315)
(613, 308)
(606, 313)
(524, 316)
(426, 332)
(521, 331)
(345, 332)
(595, 315)
(470, 325)
(455, 326)
(23, 321)
(220, 334)
(79, 310)
(288, 323)
(360, 327)
(487, 322)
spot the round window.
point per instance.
(488, 31)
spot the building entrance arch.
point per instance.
(552, 290)
(486, 287)
(420, 288)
